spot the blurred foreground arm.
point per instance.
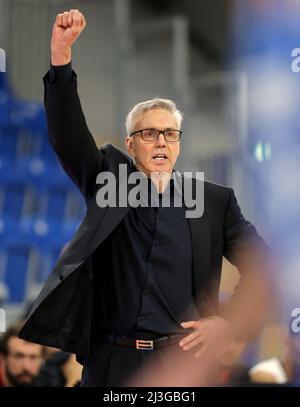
(251, 302)
(243, 314)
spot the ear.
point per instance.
(129, 144)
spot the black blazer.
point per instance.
(62, 314)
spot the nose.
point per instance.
(161, 141)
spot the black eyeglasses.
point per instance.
(151, 135)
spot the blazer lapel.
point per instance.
(200, 233)
(201, 245)
(111, 218)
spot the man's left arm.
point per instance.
(244, 311)
(249, 253)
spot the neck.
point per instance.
(160, 179)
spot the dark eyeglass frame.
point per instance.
(159, 133)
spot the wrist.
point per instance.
(61, 55)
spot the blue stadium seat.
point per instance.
(4, 84)
(17, 261)
(15, 143)
(16, 200)
(49, 257)
(13, 196)
(41, 147)
(5, 103)
(60, 203)
(40, 208)
(29, 115)
(8, 142)
(50, 239)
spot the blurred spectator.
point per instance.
(20, 361)
(26, 364)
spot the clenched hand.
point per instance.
(67, 28)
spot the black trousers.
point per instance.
(112, 365)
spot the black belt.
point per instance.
(144, 344)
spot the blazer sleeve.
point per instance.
(248, 251)
(69, 135)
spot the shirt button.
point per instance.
(84, 256)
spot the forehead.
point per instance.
(157, 118)
(18, 345)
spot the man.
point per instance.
(134, 278)
(20, 361)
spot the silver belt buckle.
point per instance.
(143, 345)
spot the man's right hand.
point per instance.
(67, 28)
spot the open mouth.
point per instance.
(160, 157)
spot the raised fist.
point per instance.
(67, 28)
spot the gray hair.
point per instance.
(156, 103)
